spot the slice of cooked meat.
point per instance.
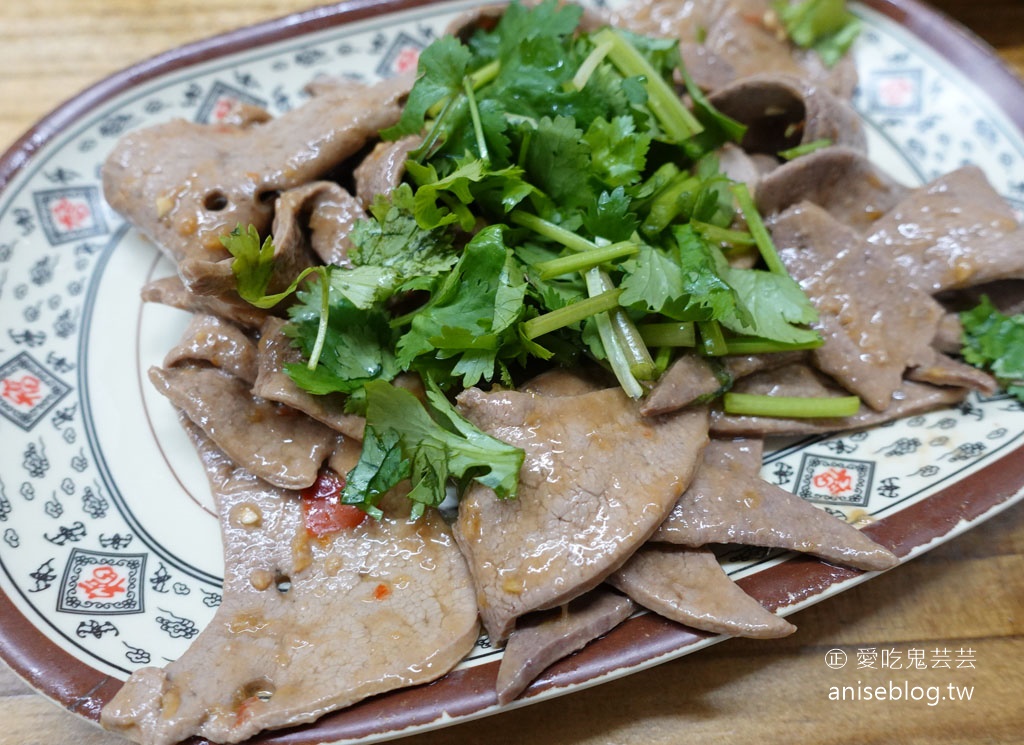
(744, 34)
(782, 112)
(171, 291)
(736, 38)
(949, 337)
(874, 327)
(273, 384)
(942, 369)
(693, 379)
(840, 179)
(800, 380)
(382, 170)
(278, 444)
(559, 381)
(306, 625)
(953, 232)
(708, 70)
(547, 636)
(186, 184)
(597, 480)
(211, 339)
(728, 502)
(688, 585)
(318, 217)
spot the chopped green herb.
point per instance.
(994, 341)
(790, 407)
(826, 26)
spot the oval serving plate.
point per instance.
(110, 554)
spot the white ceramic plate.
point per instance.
(110, 555)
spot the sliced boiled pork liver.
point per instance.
(273, 384)
(171, 291)
(842, 180)
(728, 502)
(953, 232)
(222, 344)
(688, 585)
(278, 444)
(318, 217)
(874, 327)
(546, 637)
(597, 480)
(782, 112)
(186, 184)
(306, 625)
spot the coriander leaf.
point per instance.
(252, 262)
(358, 345)
(446, 437)
(472, 181)
(618, 151)
(610, 216)
(709, 296)
(381, 466)
(253, 267)
(557, 160)
(364, 286)
(441, 68)
(654, 281)
(776, 307)
(485, 459)
(393, 239)
(823, 25)
(472, 310)
(429, 475)
(432, 189)
(995, 342)
(535, 28)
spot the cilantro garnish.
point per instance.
(994, 341)
(826, 26)
(428, 442)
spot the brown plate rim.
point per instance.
(640, 642)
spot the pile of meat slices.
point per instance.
(624, 512)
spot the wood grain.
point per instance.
(966, 595)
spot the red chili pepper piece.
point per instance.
(322, 510)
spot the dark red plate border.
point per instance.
(640, 641)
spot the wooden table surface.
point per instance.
(966, 596)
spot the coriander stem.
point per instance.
(641, 364)
(612, 347)
(674, 198)
(807, 147)
(757, 345)
(570, 314)
(790, 407)
(589, 65)
(474, 113)
(434, 133)
(712, 340)
(551, 231)
(668, 334)
(716, 234)
(325, 311)
(757, 228)
(678, 121)
(580, 262)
